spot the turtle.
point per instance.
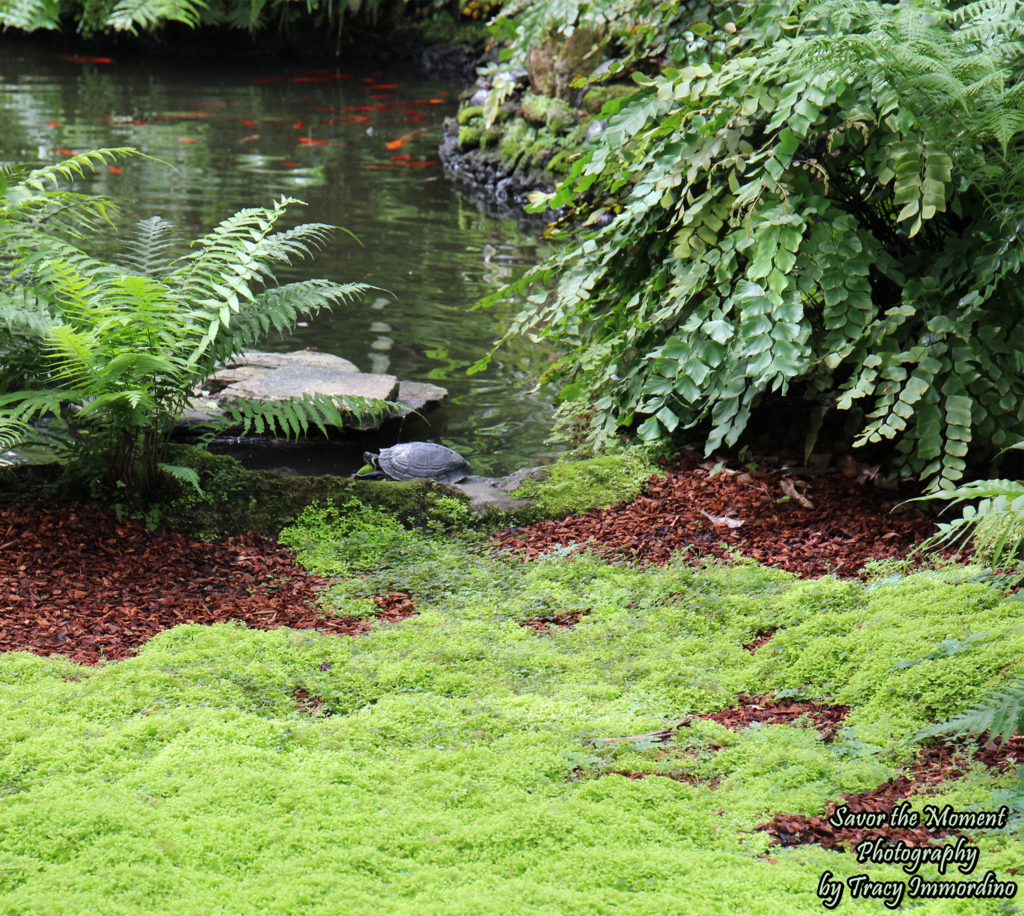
(416, 461)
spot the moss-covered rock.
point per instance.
(469, 137)
(536, 109)
(490, 138)
(559, 120)
(235, 499)
(467, 114)
(516, 140)
(573, 486)
(556, 62)
(594, 99)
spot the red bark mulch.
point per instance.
(79, 582)
(849, 524)
(311, 705)
(762, 708)
(569, 619)
(936, 765)
(761, 639)
(689, 779)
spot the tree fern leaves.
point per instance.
(120, 348)
(999, 716)
(147, 250)
(293, 417)
(128, 15)
(29, 15)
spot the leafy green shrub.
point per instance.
(334, 541)
(117, 349)
(807, 218)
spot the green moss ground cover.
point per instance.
(454, 775)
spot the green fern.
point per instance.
(183, 474)
(29, 15)
(120, 348)
(293, 417)
(833, 211)
(148, 250)
(130, 15)
(998, 717)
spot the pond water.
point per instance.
(358, 144)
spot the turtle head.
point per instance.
(372, 459)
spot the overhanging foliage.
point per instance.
(834, 211)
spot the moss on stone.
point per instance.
(490, 138)
(573, 486)
(535, 108)
(559, 120)
(469, 137)
(561, 162)
(594, 99)
(539, 152)
(467, 114)
(237, 500)
(517, 138)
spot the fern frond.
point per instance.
(76, 166)
(147, 250)
(293, 417)
(183, 474)
(294, 244)
(278, 309)
(13, 432)
(128, 14)
(999, 716)
(29, 15)
(995, 525)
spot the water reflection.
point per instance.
(359, 146)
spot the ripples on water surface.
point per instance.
(359, 145)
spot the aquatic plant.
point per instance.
(113, 351)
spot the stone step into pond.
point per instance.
(255, 375)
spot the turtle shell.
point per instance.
(422, 461)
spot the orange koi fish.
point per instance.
(401, 141)
(83, 59)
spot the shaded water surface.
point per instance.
(358, 145)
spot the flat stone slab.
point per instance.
(488, 493)
(259, 376)
(421, 395)
(298, 380)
